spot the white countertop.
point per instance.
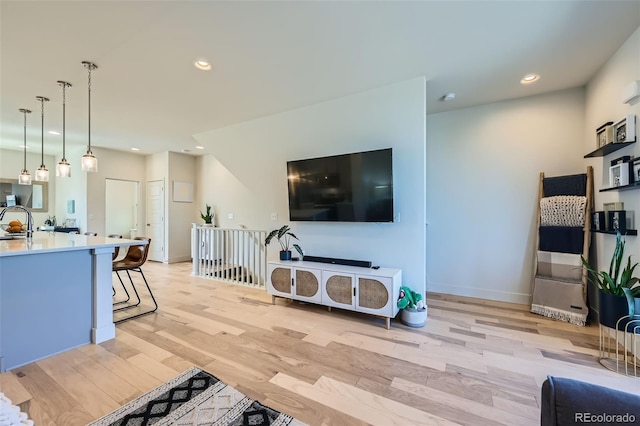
(49, 242)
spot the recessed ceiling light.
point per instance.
(135, 149)
(53, 132)
(186, 150)
(199, 147)
(23, 146)
(202, 64)
(448, 97)
(530, 78)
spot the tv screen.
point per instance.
(342, 188)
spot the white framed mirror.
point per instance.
(34, 196)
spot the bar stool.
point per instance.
(91, 234)
(116, 249)
(116, 252)
(133, 261)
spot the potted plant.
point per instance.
(414, 311)
(283, 235)
(207, 216)
(618, 290)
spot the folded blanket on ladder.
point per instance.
(558, 288)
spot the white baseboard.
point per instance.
(481, 293)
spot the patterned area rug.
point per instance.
(195, 397)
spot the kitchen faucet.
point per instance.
(29, 218)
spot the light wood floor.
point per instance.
(474, 363)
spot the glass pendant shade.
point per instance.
(24, 178)
(42, 174)
(63, 169)
(89, 162)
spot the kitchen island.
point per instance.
(55, 294)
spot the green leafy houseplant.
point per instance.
(283, 235)
(613, 281)
(409, 299)
(208, 216)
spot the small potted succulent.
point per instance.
(283, 235)
(207, 216)
(413, 310)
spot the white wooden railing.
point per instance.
(231, 255)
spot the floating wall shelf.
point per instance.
(608, 149)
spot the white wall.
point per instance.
(168, 167)
(11, 163)
(220, 189)
(157, 170)
(121, 205)
(181, 168)
(72, 188)
(603, 103)
(247, 177)
(111, 165)
(483, 167)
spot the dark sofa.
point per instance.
(572, 402)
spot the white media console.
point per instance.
(367, 290)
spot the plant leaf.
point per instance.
(270, 237)
(282, 231)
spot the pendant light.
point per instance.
(25, 177)
(64, 168)
(89, 161)
(42, 174)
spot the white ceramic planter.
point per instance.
(413, 317)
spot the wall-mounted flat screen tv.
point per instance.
(354, 187)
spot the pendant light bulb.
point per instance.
(42, 174)
(63, 169)
(24, 178)
(89, 161)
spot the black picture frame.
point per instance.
(597, 222)
(618, 221)
(635, 169)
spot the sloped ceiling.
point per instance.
(270, 57)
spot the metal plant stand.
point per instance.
(619, 349)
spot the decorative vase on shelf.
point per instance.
(285, 255)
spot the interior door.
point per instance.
(155, 219)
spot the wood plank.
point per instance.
(10, 385)
(55, 402)
(153, 367)
(37, 414)
(457, 404)
(359, 403)
(142, 381)
(93, 399)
